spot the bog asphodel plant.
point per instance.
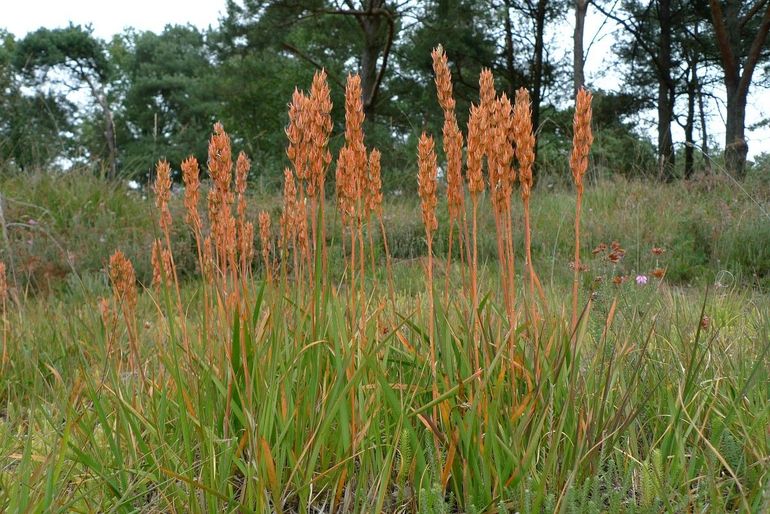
(265, 239)
(453, 149)
(124, 290)
(500, 141)
(499, 149)
(525, 156)
(427, 189)
(581, 145)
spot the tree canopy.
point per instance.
(143, 96)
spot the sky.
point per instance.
(109, 17)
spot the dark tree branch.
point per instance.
(302, 55)
(634, 31)
(749, 15)
(723, 42)
(385, 55)
(754, 52)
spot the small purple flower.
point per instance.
(641, 280)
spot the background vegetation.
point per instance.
(143, 96)
(59, 224)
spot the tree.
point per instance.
(465, 29)
(619, 147)
(647, 22)
(167, 85)
(539, 12)
(78, 55)
(741, 32)
(35, 128)
(524, 34)
(316, 31)
(538, 71)
(697, 58)
(256, 87)
(374, 18)
(507, 36)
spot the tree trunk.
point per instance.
(371, 52)
(537, 68)
(665, 94)
(109, 126)
(578, 55)
(510, 67)
(703, 128)
(692, 57)
(689, 141)
(736, 149)
(371, 19)
(728, 27)
(701, 109)
(109, 135)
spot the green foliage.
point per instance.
(646, 380)
(691, 249)
(732, 450)
(34, 129)
(463, 29)
(651, 480)
(72, 59)
(74, 48)
(165, 90)
(258, 86)
(432, 501)
(170, 97)
(67, 222)
(618, 149)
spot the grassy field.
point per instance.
(362, 356)
(660, 401)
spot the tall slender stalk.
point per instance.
(162, 188)
(265, 239)
(123, 280)
(3, 319)
(426, 181)
(427, 189)
(388, 263)
(453, 149)
(501, 179)
(476, 187)
(525, 155)
(581, 146)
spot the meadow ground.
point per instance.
(324, 390)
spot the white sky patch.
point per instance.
(109, 17)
